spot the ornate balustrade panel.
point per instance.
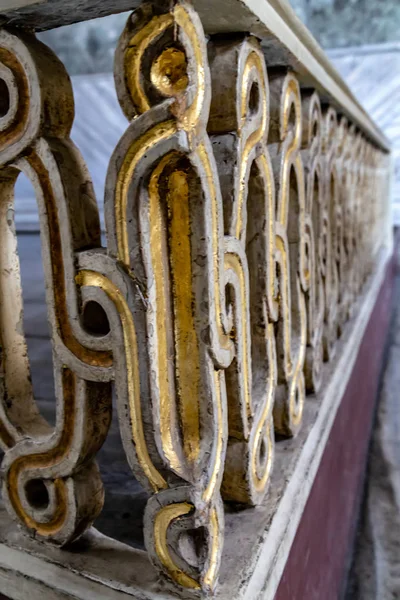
(245, 215)
(239, 122)
(164, 225)
(317, 244)
(50, 482)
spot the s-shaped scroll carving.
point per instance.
(291, 250)
(315, 237)
(164, 225)
(341, 251)
(331, 229)
(239, 121)
(50, 482)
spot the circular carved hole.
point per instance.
(95, 319)
(37, 494)
(254, 98)
(169, 72)
(4, 98)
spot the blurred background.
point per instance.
(362, 38)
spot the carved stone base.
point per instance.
(327, 528)
(257, 541)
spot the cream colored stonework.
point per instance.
(246, 227)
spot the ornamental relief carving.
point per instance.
(239, 212)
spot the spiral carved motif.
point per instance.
(243, 220)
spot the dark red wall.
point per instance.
(318, 560)
(317, 563)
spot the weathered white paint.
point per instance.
(277, 542)
(108, 569)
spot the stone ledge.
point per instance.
(98, 567)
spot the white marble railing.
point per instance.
(246, 211)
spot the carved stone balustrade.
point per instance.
(248, 232)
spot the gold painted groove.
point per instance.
(162, 521)
(233, 262)
(91, 278)
(192, 115)
(253, 62)
(158, 249)
(284, 306)
(219, 437)
(176, 225)
(296, 412)
(86, 355)
(266, 169)
(134, 155)
(224, 340)
(261, 482)
(46, 460)
(134, 55)
(211, 574)
(186, 342)
(291, 96)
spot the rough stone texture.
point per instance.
(162, 435)
(48, 14)
(375, 573)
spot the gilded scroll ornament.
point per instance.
(315, 237)
(239, 122)
(291, 255)
(331, 229)
(342, 220)
(50, 481)
(162, 180)
(239, 216)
